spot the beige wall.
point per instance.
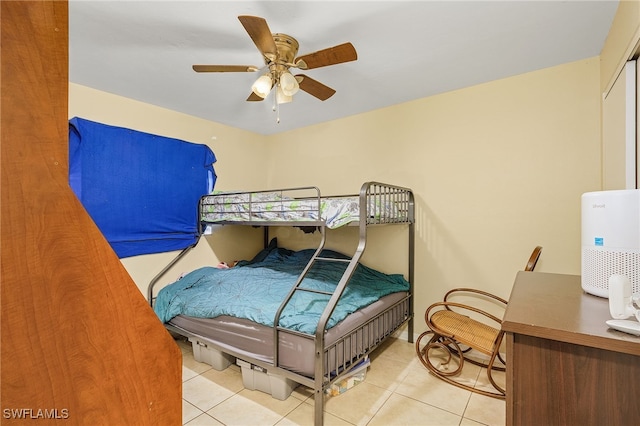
(496, 169)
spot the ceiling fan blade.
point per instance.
(333, 55)
(260, 34)
(225, 68)
(314, 87)
(254, 98)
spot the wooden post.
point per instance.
(79, 342)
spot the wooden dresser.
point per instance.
(564, 365)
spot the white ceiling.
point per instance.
(407, 50)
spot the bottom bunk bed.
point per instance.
(325, 310)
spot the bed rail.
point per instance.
(377, 204)
(374, 201)
(374, 196)
(284, 207)
(364, 339)
(150, 293)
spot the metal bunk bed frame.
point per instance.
(367, 335)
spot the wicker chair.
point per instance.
(453, 333)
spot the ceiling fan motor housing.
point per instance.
(287, 48)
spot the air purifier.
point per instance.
(610, 239)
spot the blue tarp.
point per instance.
(141, 190)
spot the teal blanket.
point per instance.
(255, 289)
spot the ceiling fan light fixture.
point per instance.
(289, 84)
(262, 86)
(281, 96)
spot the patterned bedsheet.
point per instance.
(255, 289)
(273, 206)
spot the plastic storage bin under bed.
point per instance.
(253, 377)
(257, 378)
(203, 353)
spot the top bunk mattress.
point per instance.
(383, 204)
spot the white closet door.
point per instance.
(619, 132)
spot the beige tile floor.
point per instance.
(398, 390)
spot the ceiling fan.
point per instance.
(279, 52)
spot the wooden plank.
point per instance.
(554, 306)
(559, 383)
(78, 339)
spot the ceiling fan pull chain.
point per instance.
(276, 106)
